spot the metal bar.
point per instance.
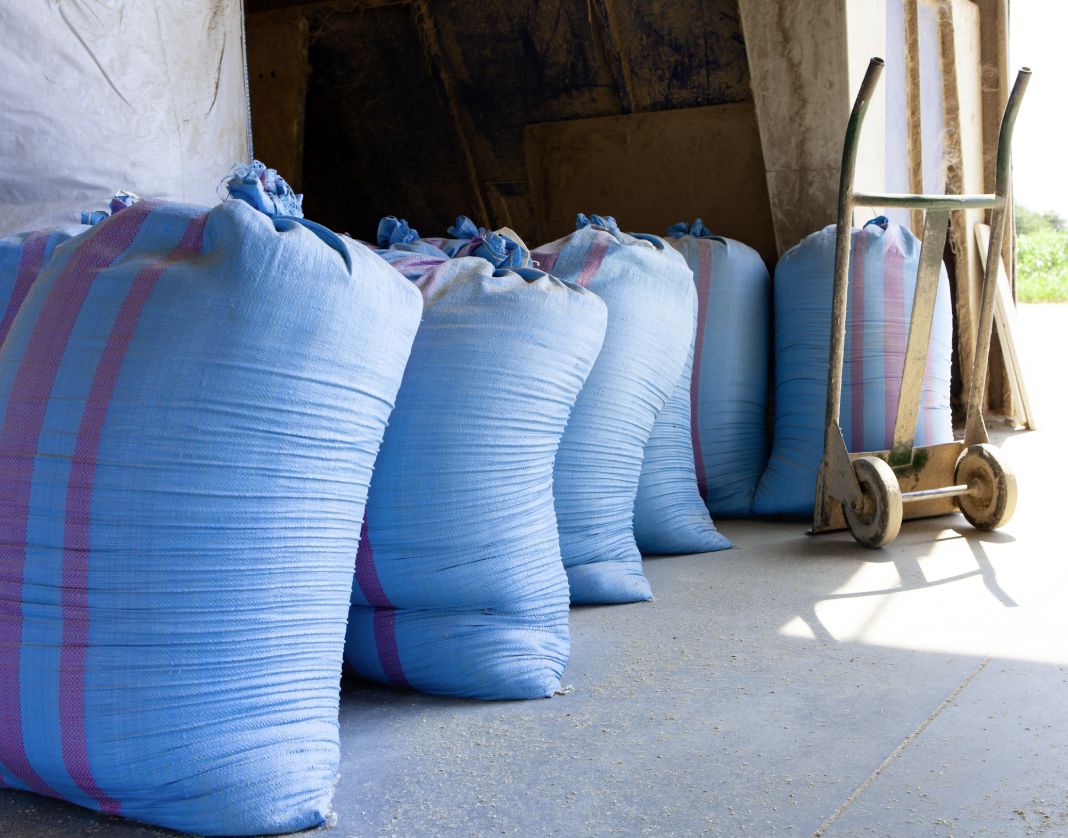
(836, 480)
(949, 202)
(933, 494)
(923, 303)
(975, 428)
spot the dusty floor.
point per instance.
(794, 686)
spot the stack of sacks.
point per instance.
(460, 589)
(191, 402)
(649, 293)
(729, 395)
(884, 259)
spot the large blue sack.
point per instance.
(649, 293)
(670, 516)
(460, 589)
(21, 259)
(190, 406)
(729, 391)
(884, 259)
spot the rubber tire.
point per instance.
(984, 468)
(878, 522)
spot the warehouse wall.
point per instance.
(425, 108)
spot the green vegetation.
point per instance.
(1029, 221)
(1041, 257)
(1042, 267)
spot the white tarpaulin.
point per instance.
(100, 95)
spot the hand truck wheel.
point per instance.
(878, 520)
(992, 497)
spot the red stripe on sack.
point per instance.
(30, 260)
(893, 329)
(856, 330)
(76, 545)
(385, 615)
(704, 287)
(19, 440)
(593, 260)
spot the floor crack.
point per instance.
(859, 790)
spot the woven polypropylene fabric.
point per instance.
(884, 259)
(191, 404)
(648, 290)
(669, 514)
(460, 589)
(501, 248)
(21, 259)
(729, 390)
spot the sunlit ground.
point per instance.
(945, 587)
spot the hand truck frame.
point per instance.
(871, 492)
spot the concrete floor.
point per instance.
(794, 686)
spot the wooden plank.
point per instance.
(932, 468)
(799, 73)
(994, 68)
(1005, 323)
(959, 39)
(652, 170)
(914, 107)
(278, 84)
(806, 61)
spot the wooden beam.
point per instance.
(277, 55)
(914, 107)
(460, 120)
(806, 61)
(615, 54)
(959, 147)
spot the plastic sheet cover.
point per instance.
(100, 95)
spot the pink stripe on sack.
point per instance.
(593, 260)
(19, 440)
(704, 286)
(30, 260)
(415, 266)
(547, 262)
(385, 615)
(856, 329)
(893, 329)
(76, 545)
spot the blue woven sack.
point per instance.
(884, 259)
(190, 406)
(729, 392)
(21, 259)
(460, 589)
(670, 516)
(649, 293)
